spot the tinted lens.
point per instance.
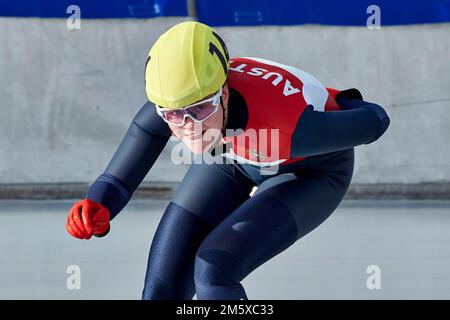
(201, 111)
(174, 116)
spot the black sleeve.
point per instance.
(144, 141)
(358, 122)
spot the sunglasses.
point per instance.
(198, 112)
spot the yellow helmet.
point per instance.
(187, 63)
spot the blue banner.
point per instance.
(326, 12)
(94, 8)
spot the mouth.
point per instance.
(195, 137)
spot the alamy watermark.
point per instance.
(73, 22)
(258, 147)
(73, 281)
(374, 279)
(374, 20)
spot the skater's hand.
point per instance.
(87, 218)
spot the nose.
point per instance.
(188, 123)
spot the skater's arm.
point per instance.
(358, 122)
(146, 137)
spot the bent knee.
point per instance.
(217, 267)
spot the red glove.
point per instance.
(87, 218)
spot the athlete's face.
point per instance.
(200, 136)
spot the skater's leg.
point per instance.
(207, 194)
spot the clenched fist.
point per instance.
(87, 218)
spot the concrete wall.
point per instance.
(68, 96)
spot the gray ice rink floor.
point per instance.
(408, 240)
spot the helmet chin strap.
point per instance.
(223, 118)
(212, 149)
(227, 145)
